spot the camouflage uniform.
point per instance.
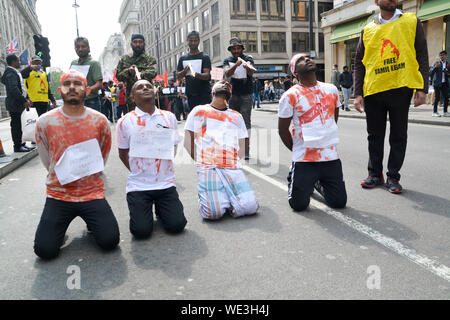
(145, 64)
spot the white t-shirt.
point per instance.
(314, 131)
(147, 174)
(217, 135)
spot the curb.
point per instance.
(429, 122)
(5, 119)
(15, 164)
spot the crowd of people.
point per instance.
(74, 141)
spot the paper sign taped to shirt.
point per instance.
(216, 74)
(225, 133)
(316, 135)
(196, 66)
(240, 73)
(83, 69)
(79, 161)
(153, 143)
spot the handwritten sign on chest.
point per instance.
(152, 143)
(79, 161)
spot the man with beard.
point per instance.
(239, 68)
(313, 108)
(140, 61)
(147, 139)
(74, 143)
(198, 90)
(91, 70)
(215, 139)
(391, 62)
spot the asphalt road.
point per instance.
(399, 249)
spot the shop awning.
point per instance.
(348, 30)
(433, 9)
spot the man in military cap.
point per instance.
(144, 63)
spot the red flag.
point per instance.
(115, 78)
(158, 78)
(166, 79)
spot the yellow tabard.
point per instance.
(37, 86)
(390, 56)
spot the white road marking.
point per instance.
(429, 264)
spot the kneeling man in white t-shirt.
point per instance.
(313, 109)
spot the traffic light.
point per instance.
(41, 46)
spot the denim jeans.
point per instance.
(94, 103)
(256, 97)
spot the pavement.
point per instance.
(421, 114)
(13, 160)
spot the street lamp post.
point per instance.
(157, 46)
(76, 6)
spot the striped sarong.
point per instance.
(223, 190)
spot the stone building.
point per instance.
(342, 27)
(18, 19)
(129, 20)
(111, 55)
(271, 30)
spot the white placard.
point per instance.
(153, 143)
(196, 66)
(83, 69)
(166, 91)
(223, 132)
(320, 136)
(240, 72)
(79, 161)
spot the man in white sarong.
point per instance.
(215, 138)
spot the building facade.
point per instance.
(111, 55)
(130, 20)
(271, 30)
(18, 19)
(342, 27)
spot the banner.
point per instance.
(24, 58)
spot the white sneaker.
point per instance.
(446, 114)
(435, 114)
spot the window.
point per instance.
(321, 43)
(273, 42)
(206, 47)
(174, 16)
(205, 20)
(182, 35)
(189, 27)
(300, 10)
(180, 9)
(175, 39)
(300, 42)
(249, 40)
(187, 5)
(196, 24)
(215, 13)
(216, 46)
(272, 9)
(324, 7)
(194, 3)
(243, 9)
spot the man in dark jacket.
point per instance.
(346, 82)
(16, 100)
(257, 93)
(440, 73)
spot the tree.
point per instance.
(56, 76)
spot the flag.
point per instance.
(166, 79)
(115, 77)
(24, 58)
(13, 47)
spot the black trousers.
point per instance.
(58, 215)
(121, 110)
(443, 89)
(41, 107)
(16, 129)
(303, 177)
(168, 208)
(396, 103)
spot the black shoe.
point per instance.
(30, 148)
(347, 109)
(22, 150)
(393, 186)
(372, 182)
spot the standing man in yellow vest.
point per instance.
(391, 62)
(37, 85)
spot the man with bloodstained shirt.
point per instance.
(74, 142)
(147, 138)
(215, 138)
(313, 108)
